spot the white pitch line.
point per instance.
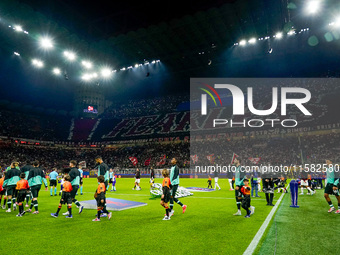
(252, 246)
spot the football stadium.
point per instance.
(188, 127)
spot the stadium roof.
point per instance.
(190, 38)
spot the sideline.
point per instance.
(252, 246)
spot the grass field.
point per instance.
(207, 227)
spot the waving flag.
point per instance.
(162, 161)
(211, 158)
(254, 160)
(233, 159)
(133, 160)
(147, 162)
(194, 158)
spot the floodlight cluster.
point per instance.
(70, 56)
(277, 36)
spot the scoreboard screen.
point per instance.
(90, 109)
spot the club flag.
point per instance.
(233, 159)
(133, 160)
(194, 158)
(147, 162)
(211, 158)
(162, 161)
(254, 160)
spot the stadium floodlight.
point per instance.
(16, 53)
(291, 32)
(94, 75)
(18, 28)
(37, 63)
(336, 23)
(70, 55)
(56, 71)
(129, 67)
(123, 69)
(136, 65)
(153, 61)
(243, 42)
(252, 41)
(86, 64)
(86, 77)
(106, 72)
(46, 43)
(279, 35)
(313, 7)
(146, 63)
(26, 32)
(157, 61)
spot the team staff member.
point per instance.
(10, 183)
(35, 178)
(174, 179)
(268, 189)
(53, 181)
(75, 180)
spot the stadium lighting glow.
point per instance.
(18, 28)
(70, 55)
(86, 77)
(46, 43)
(157, 61)
(129, 67)
(86, 64)
(153, 61)
(252, 41)
(37, 63)
(123, 69)
(243, 42)
(146, 63)
(136, 65)
(279, 35)
(313, 7)
(56, 71)
(16, 53)
(292, 32)
(106, 72)
(335, 23)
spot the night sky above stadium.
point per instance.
(210, 55)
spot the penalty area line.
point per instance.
(252, 246)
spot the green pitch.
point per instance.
(207, 227)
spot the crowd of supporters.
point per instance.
(271, 150)
(135, 108)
